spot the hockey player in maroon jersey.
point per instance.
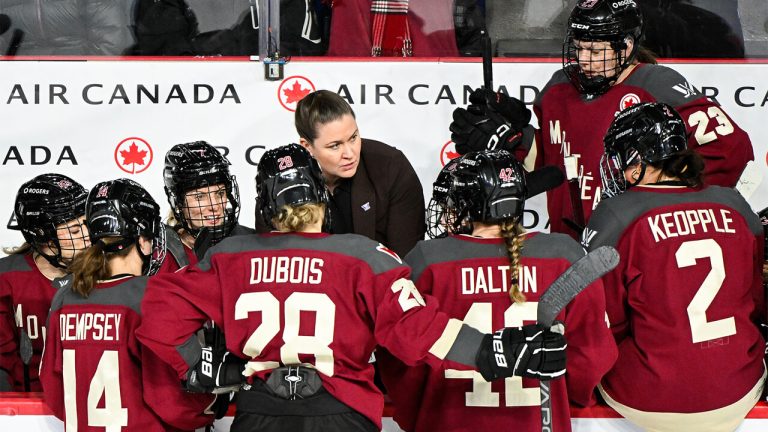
(306, 309)
(605, 70)
(490, 273)
(49, 211)
(202, 194)
(95, 375)
(685, 301)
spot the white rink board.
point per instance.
(52, 424)
(78, 112)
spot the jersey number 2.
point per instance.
(106, 381)
(479, 317)
(686, 256)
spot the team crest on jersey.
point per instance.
(628, 100)
(383, 249)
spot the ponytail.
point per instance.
(687, 165)
(24, 249)
(90, 266)
(512, 233)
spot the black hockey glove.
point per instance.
(528, 351)
(215, 373)
(512, 110)
(476, 132)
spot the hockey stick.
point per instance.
(487, 60)
(578, 276)
(25, 351)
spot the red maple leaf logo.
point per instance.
(295, 93)
(133, 155)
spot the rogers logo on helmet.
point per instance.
(36, 191)
(624, 3)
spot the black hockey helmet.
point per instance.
(42, 204)
(436, 221)
(646, 133)
(123, 208)
(196, 165)
(488, 186)
(601, 21)
(288, 175)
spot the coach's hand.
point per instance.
(528, 351)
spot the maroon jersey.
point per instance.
(282, 299)
(25, 297)
(178, 255)
(571, 124)
(95, 375)
(684, 301)
(470, 277)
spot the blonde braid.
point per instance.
(512, 232)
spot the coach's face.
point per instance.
(337, 149)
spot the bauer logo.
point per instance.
(448, 152)
(292, 90)
(133, 155)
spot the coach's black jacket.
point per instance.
(387, 186)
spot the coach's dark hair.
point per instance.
(687, 165)
(92, 266)
(319, 108)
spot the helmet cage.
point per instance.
(122, 208)
(44, 210)
(438, 204)
(601, 21)
(198, 165)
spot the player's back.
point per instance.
(92, 367)
(291, 298)
(470, 277)
(685, 298)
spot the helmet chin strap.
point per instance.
(145, 258)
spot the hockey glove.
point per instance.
(477, 132)
(529, 351)
(215, 373)
(512, 110)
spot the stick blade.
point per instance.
(578, 276)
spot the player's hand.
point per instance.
(477, 132)
(215, 373)
(512, 110)
(528, 351)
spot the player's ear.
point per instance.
(307, 145)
